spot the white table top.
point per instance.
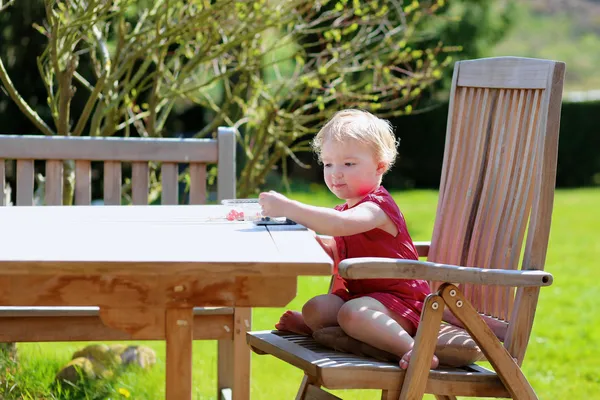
(152, 239)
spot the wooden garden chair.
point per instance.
(497, 184)
(44, 324)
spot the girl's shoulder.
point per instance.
(379, 196)
(382, 198)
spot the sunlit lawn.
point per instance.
(561, 361)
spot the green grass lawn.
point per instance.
(560, 362)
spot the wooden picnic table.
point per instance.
(146, 267)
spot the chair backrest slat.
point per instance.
(25, 182)
(54, 183)
(169, 179)
(197, 183)
(197, 153)
(112, 183)
(140, 181)
(499, 150)
(83, 182)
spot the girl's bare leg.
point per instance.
(319, 312)
(369, 321)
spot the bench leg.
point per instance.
(233, 370)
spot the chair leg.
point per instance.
(309, 391)
(507, 369)
(417, 374)
(233, 376)
(390, 395)
(442, 397)
(306, 382)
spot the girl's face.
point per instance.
(350, 169)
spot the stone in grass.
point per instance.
(142, 356)
(76, 370)
(102, 361)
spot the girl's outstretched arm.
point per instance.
(326, 221)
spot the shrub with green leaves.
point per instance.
(273, 69)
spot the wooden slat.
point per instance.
(139, 183)
(528, 172)
(90, 311)
(197, 183)
(499, 174)
(452, 122)
(178, 326)
(483, 229)
(3, 201)
(454, 244)
(54, 182)
(112, 183)
(83, 184)
(518, 202)
(169, 179)
(73, 326)
(505, 73)
(25, 182)
(226, 181)
(108, 149)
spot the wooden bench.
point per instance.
(48, 324)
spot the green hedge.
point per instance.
(422, 147)
(422, 138)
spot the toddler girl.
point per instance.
(356, 150)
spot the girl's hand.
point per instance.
(273, 204)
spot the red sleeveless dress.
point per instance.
(403, 296)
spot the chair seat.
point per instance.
(16, 312)
(337, 370)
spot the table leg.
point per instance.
(179, 325)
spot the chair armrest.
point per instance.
(422, 248)
(391, 268)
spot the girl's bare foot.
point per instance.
(406, 359)
(292, 321)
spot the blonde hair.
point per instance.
(364, 127)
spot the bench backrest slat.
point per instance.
(198, 191)
(113, 152)
(140, 181)
(168, 178)
(25, 182)
(83, 182)
(112, 183)
(2, 180)
(54, 183)
(108, 149)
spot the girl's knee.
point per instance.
(349, 316)
(321, 311)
